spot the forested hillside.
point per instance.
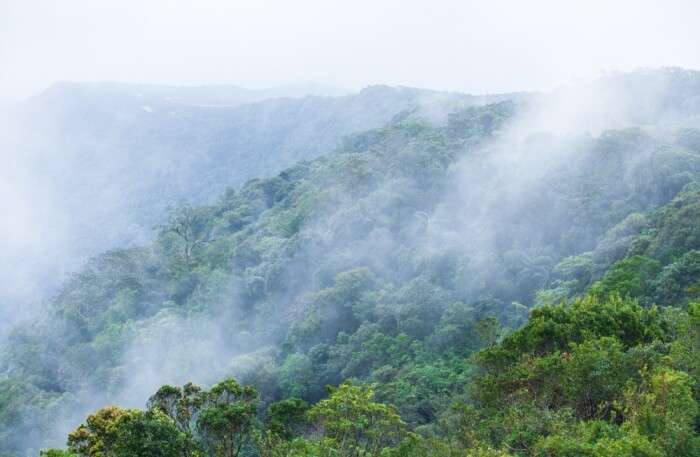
(101, 163)
(136, 150)
(473, 284)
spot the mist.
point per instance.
(474, 47)
(478, 216)
(116, 115)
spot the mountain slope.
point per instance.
(95, 166)
(391, 260)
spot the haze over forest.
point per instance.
(271, 229)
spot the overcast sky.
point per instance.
(470, 46)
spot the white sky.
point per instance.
(471, 46)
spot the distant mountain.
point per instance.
(132, 151)
(212, 95)
(658, 99)
(96, 165)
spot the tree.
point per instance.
(287, 417)
(150, 434)
(679, 282)
(355, 422)
(56, 453)
(92, 438)
(595, 375)
(296, 375)
(190, 227)
(631, 277)
(116, 432)
(663, 409)
(226, 418)
(596, 439)
(575, 381)
(180, 404)
(220, 419)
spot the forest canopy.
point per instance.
(437, 286)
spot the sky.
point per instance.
(468, 46)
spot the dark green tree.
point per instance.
(226, 418)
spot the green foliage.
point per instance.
(287, 418)
(606, 385)
(406, 260)
(663, 409)
(182, 405)
(226, 418)
(631, 277)
(676, 230)
(594, 377)
(356, 424)
(56, 453)
(597, 439)
(113, 432)
(679, 282)
(554, 329)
